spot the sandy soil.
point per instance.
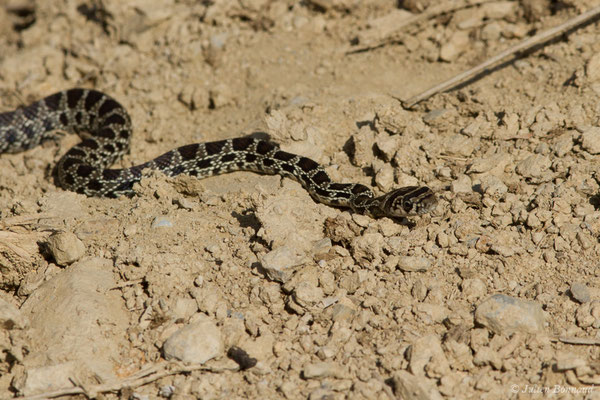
(330, 304)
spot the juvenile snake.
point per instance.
(105, 128)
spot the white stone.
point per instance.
(505, 315)
(75, 316)
(322, 370)
(413, 264)
(65, 247)
(195, 343)
(590, 140)
(412, 387)
(457, 43)
(280, 263)
(48, 378)
(534, 166)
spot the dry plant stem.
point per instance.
(523, 45)
(579, 341)
(143, 377)
(444, 8)
(429, 13)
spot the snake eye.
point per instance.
(407, 205)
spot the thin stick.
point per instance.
(141, 378)
(525, 44)
(579, 341)
(367, 42)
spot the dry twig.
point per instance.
(143, 377)
(372, 39)
(578, 341)
(514, 50)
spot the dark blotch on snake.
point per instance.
(85, 170)
(264, 148)
(239, 144)
(63, 118)
(214, 147)
(106, 133)
(90, 144)
(287, 167)
(205, 163)
(307, 164)
(267, 162)
(73, 97)
(75, 152)
(358, 189)
(93, 184)
(188, 152)
(283, 156)
(53, 101)
(110, 174)
(69, 179)
(91, 99)
(228, 158)
(69, 162)
(320, 177)
(115, 119)
(108, 106)
(250, 158)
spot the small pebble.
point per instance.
(493, 186)
(590, 140)
(473, 289)
(505, 315)
(221, 95)
(241, 357)
(413, 264)
(65, 247)
(411, 387)
(387, 144)
(462, 184)
(167, 391)
(457, 43)
(162, 222)
(566, 361)
(280, 263)
(195, 343)
(533, 166)
(218, 40)
(580, 292)
(306, 294)
(499, 9)
(321, 370)
(434, 114)
(343, 310)
(47, 378)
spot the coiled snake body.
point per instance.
(105, 128)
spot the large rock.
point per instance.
(75, 318)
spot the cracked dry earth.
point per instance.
(241, 286)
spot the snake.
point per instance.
(105, 129)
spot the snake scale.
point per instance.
(105, 128)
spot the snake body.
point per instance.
(105, 128)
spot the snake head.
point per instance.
(407, 201)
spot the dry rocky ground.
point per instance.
(248, 287)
